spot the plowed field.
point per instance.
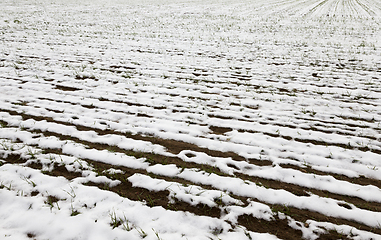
(190, 119)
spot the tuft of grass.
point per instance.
(6, 187)
(3, 124)
(151, 202)
(51, 200)
(142, 233)
(74, 212)
(150, 160)
(218, 200)
(30, 181)
(281, 208)
(126, 225)
(157, 234)
(115, 221)
(32, 153)
(248, 235)
(6, 146)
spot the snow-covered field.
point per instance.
(190, 119)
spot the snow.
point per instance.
(289, 83)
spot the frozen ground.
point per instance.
(190, 119)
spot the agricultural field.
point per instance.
(176, 119)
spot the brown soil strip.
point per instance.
(330, 235)
(281, 229)
(362, 180)
(335, 123)
(123, 102)
(356, 118)
(172, 146)
(300, 215)
(66, 88)
(158, 198)
(220, 130)
(13, 158)
(60, 170)
(314, 141)
(211, 115)
(345, 146)
(304, 191)
(276, 227)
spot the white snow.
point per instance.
(286, 83)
